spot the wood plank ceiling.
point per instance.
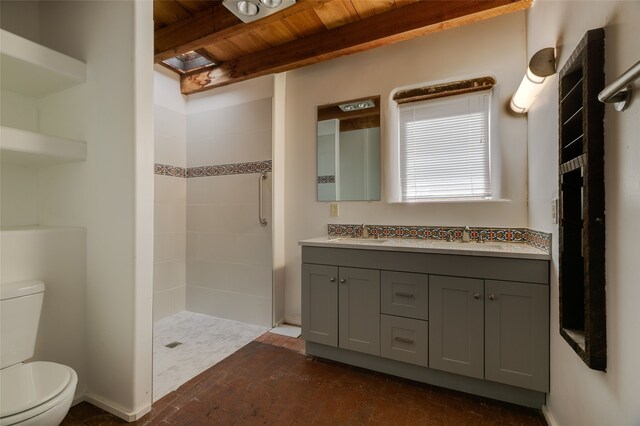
(308, 32)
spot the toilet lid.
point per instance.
(25, 386)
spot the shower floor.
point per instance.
(205, 341)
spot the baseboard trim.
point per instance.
(551, 421)
(112, 408)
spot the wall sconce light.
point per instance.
(541, 66)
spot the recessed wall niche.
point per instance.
(581, 181)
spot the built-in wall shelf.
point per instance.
(32, 69)
(582, 202)
(32, 149)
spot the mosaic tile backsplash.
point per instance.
(217, 170)
(327, 179)
(541, 240)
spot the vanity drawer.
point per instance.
(404, 339)
(404, 294)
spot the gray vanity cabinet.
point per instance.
(456, 325)
(359, 310)
(341, 307)
(320, 301)
(477, 324)
(517, 334)
(496, 330)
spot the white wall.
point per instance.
(21, 17)
(111, 193)
(580, 396)
(169, 275)
(494, 47)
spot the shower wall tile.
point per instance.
(168, 189)
(235, 306)
(251, 116)
(205, 274)
(229, 259)
(169, 246)
(170, 137)
(170, 123)
(230, 148)
(169, 274)
(215, 247)
(168, 302)
(230, 277)
(170, 194)
(169, 217)
(252, 249)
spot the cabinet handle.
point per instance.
(332, 279)
(403, 294)
(342, 281)
(492, 297)
(476, 296)
(403, 340)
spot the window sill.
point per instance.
(454, 200)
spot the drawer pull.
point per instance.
(403, 340)
(403, 294)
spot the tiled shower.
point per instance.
(212, 256)
(229, 266)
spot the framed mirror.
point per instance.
(348, 150)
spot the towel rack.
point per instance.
(619, 92)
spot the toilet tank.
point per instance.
(20, 305)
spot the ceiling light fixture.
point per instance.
(251, 10)
(271, 3)
(247, 8)
(354, 106)
(541, 66)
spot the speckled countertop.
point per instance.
(492, 249)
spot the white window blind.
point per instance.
(444, 148)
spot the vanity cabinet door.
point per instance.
(517, 334)
(359, 310)
(456, 325)
(320, 304)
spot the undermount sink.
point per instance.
(475, 243)
(361, 240)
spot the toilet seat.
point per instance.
(31, 389)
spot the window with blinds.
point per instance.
(444, 148)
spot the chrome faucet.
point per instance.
(364, 232)
(466, 235)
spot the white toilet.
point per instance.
(33, 393)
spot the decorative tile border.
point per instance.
(167, 170)
(537, 239)
(327, 179)
(217, 170)
(541, 240)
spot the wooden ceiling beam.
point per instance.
(211, 25)
(416, 19)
